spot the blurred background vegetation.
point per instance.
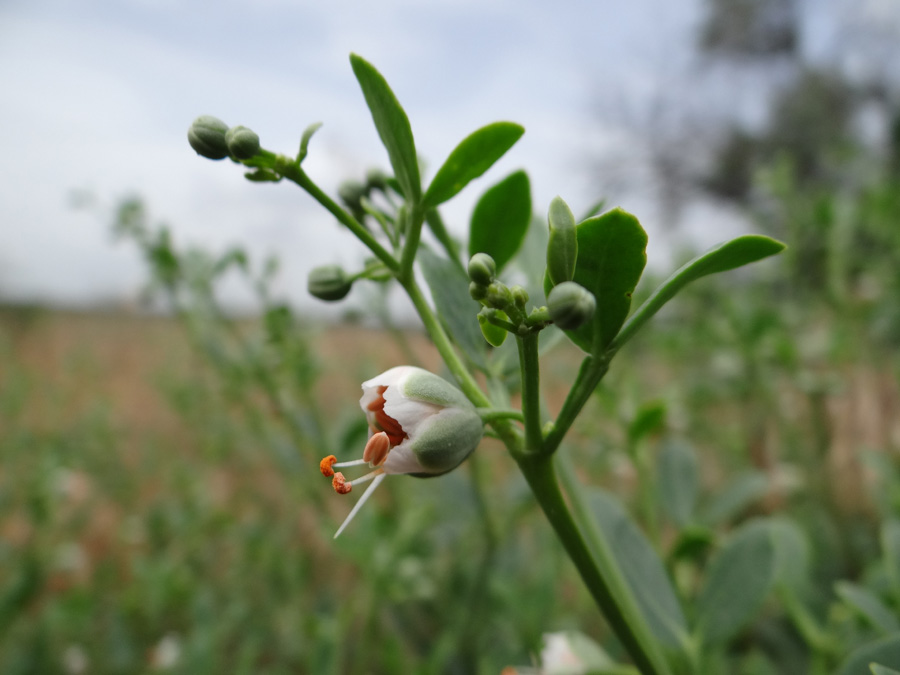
(160, 508)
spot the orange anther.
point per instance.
(340, 484)
(377, 449)
(325, 466)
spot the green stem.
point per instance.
(411, 244)
(592, 371)
(541, 476)
(293, 172)
(488, 415)
(531, 384)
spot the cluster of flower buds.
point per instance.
(212, 138)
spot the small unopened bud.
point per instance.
(498, 296)
(482, 269)
(329, 283)
(477, 291)
(519, 296)
(377, 179)
(570, 305)
(207, 137)
(562, 248)
(243, 143)
(351, 193)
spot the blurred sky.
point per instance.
(98, 96)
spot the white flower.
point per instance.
(419, 424)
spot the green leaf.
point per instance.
(612, 252)
(728, 256)
(495, 335)
(392, 125)
(643, 570)
(450, 291)
(868, 606)
(737, 582)
(884, 651)
(678, 481)
(500, 219)
(471, 158)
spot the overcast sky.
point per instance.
(98, 96)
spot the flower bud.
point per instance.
(562, 248)
(570, 305)
(351, 193)
(519, 296)
(377, 179)
(329, 283)
(482, 269)
(207, 137)
(243, 143)
(498, 296)
(477, 291)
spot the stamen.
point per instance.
(366, 478)
(377, 448)
(384, 422)
(325, 466)
(340, 484)
(350, 462)
(362, 500)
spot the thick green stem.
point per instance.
(531, 391)
(541, 476)
(592, 371)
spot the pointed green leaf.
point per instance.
(868, 606)
(885, 652)
(470, 159)
(612, 252)
(495, 335)
(449, 287)
(392, 125)
(738, 580)
(500, 219)
(643, 570)
(728, 256)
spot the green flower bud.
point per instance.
(207, 137)
(498, 296)
(243, 143)
(570, 305)
(351, 193)
(482, 269)
(562, 248)
(377, 179)
(329, 283)
(477, 291)
(519, 296)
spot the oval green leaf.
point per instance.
(470, 159)
(885, 652)
(612, 253)
(392, 125)
(500, 219)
